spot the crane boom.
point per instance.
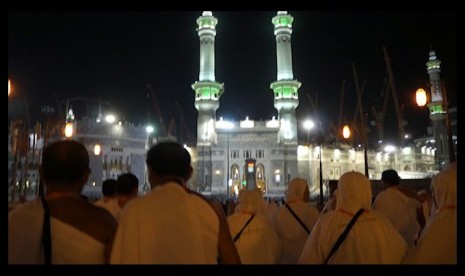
(339, 123)
(359, 104)
(356, 113)
(157, 109)
(381, 114)
(400, 121)
(183, 125)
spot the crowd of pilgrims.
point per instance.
(172, 224)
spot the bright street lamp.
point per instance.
(69, 130)
(110, 118)
(421, 97)
(97, 149)
(149, 129)
(346, 134)
(308, 124)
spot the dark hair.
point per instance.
(65, 161)
(169, 158)
(109, 187)
(390, 176)
(126, 183)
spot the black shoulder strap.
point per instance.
(297, 218)
(240, 232)
(343, 236)
(46, 235)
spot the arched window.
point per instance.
(260, 177)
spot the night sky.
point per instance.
(112, 56)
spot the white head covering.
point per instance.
(372, 239)
(353, 192)
(438, 241)
(444, 186)
(250, 201)
(296, 189)
(258, 243)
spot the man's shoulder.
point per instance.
(198, 197)
(386, 193)
(409, 192)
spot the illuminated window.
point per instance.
(250, 167)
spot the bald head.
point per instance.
(64, 161)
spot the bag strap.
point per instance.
(343, 236)
(240, 232)
(297, 218)
(46, 235)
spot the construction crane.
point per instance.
(341, 103)
(359, 108)
(314, 105)
(400, 120)
(381, 114)
(334, 130)
(163, 131)
(359, 103)
(183, 125)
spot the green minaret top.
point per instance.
(433, 62)
(282, 19)
(207, 21)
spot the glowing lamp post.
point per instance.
(97, 149)
(149, 130)
(110, 118)
(69, 130)
(421, 97)
(308, 124)
(321, 180)
(346, 134)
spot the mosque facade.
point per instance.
(234, 155)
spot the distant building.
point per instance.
(121, 149)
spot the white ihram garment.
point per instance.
(166, 226)
(259, 243)
(290, 231)
(401, 210)
(69, 245)
(438, 241)
(372, 239)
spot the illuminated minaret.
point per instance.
(207, 90)
(285, 89)
(436, 109)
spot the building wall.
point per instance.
(123, 149)
(298, 161)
